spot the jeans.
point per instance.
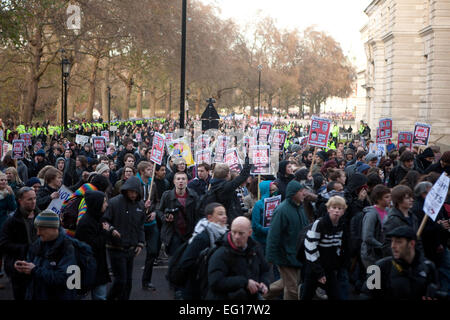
(99, 293)
(152, 241)
(343, 283)
(122, 267)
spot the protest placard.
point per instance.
(421, 134)
(157, 148)
(27, 138)
(270, 204)
(260, 156)
(18, 149)
(56, 204)
(99, 144)
(180, 148)
(385, 126)
(82, 140)
(106, 135)
(405, 138)
(436, 197)
(232, 160)
(264, 132)
(203, 141)
(319, 132)
(277, 139)
(203, 156)
(221, 149)
(138, 137)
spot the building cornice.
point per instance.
(429, 29)
(371, 7)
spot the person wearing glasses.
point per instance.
(127, 172)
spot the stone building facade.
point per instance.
(407, 45)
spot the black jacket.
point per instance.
(436, 167)
(190, 212)
(200, 186)
(120, 162)
(70, 173)
(126, 217)
(225, 192)
(34, 168)
(433, 234)
(394, 219)
(43, 198)
(230, 268)
(403, 281)
(15, 239)
(397, 174)
(90, 230)
(283, 180)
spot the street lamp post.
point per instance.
(188, 92)
(259, 90)
(65, 69)
(109, 108)
(183, 62)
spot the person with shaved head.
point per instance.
(237, 269)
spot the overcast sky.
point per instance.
(342, 19)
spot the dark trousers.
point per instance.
(122, 267)
(310, 285)
(19, 285)
(152, 244)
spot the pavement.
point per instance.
(162, 292)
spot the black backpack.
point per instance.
(202, 265)
(69, 214)
(205, 199)
(301, 257)
(86, 262)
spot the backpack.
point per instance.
(301, 257)
(86, 262)
(175, 274)
(202, 265)
(205, 199)
(69, 214)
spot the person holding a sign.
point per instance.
(53, 181)
(288, 220)
(260, 231)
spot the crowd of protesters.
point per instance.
(343, 210)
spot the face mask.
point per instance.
(276, 193)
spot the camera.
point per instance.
(171, 211)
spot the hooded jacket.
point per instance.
(259, 231)
(283, 180)
(225, 192)
(230, 268)
(372, 236)
(288, 220)
(126, 217)
(90, 230)
(421, 163)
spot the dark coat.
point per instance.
(230, 269)
(225, 192)
(15, 239)
(70, 172)
(436, 167)
(403, 281)
(43, 198)
(170, 201)
(127, 217)
(90, 230)
(395, 219)
(397, 174)
(282, 180)
(49, 277)
(34, 168)
(200, 186)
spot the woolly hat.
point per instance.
(102, 168)
(32, 181)
(47, 219)
(371, 156)
(41, 152)
(427, 153)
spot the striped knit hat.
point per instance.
(47, 219)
